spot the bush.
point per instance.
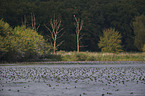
(110, 41)
(21, 43)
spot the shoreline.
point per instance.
(73, 62)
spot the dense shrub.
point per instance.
(110, 41)
(21, 43)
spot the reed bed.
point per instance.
(98, 56)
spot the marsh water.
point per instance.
(73, 80)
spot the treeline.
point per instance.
(97, 15)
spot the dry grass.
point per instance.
(98, 56)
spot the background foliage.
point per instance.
(139, 31)
(96, 14)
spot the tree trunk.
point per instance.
(78, 45)
(79, 25)
(54, 47)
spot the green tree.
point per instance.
(139, 31)
(21, 43)
(110, 41)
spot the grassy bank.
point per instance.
(96, 56)
(86, 56)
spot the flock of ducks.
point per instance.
(108, 76)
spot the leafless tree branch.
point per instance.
(55, 25)
(60, 43)
(78, 25)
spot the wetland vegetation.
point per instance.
(98, 56)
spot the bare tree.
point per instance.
(33, 22)
(55, 32)
(24, 22)
(78, 25)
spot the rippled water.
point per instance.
(73, 80)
